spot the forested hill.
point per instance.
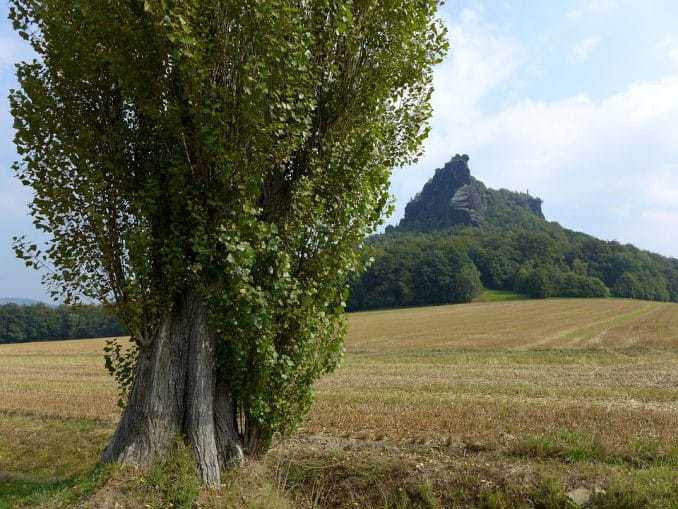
(459, 236)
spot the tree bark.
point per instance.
(174, 394)
(229, 443)
(199, 398)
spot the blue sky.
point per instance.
(576, 101)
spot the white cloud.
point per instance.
(606, 166)
(586, 157)
(661, 187)
(585, 48)
(482, 60)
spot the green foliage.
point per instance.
(414, 271)
(654, 488)
(419, 496)
(576, 285)
(567, 444)
(283, 331)
(537, 282)
(119, 361)
(238, 150)
(644, 285)
(467, 284)
(39, 322)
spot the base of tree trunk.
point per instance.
(175, 395)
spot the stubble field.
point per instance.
(482, 405)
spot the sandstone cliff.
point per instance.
(454, 198)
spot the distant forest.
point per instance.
(417, 269)
(459, 237)
(20, 323)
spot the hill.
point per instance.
(19, 301)
(459, 236)
(498, 405)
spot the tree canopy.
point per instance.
(208, 170)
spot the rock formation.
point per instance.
(454, 198)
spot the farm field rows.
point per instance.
(504, 403)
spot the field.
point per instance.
(491, 404)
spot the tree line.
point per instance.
(20, 323)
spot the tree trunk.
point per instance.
(229, 444)
(174, 395)
(199, 398)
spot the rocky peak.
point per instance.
(449, 198)
(454, 198)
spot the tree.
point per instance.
(467, 285)
(672, 284)
(537, 282)
(433, 278)
(208, 170)
(628, 286)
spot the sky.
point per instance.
(575, 101)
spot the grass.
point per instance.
(47, 459)
(499, 296)
(501, 404)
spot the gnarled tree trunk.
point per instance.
(175, 394)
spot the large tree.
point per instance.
(208, 169)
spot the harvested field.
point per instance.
(520, 325)
(583, 391)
